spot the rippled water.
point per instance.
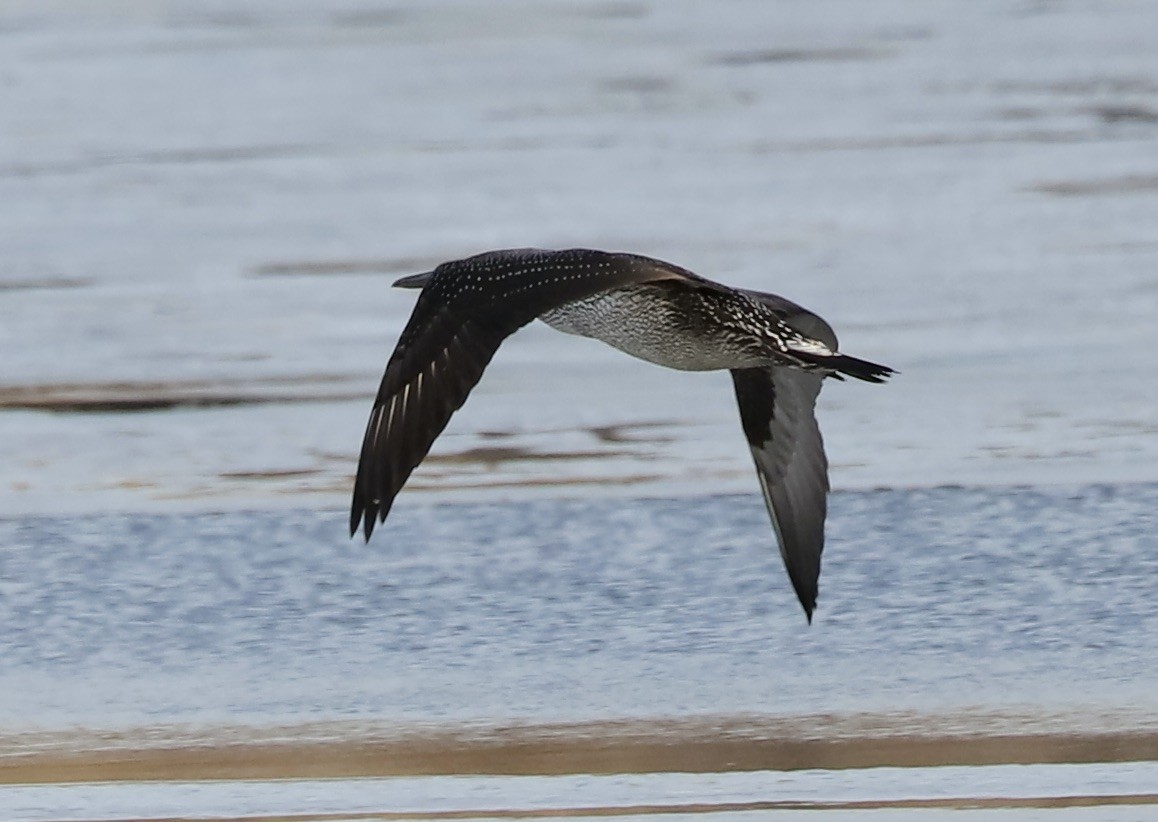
(930, 600)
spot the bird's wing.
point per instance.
(777, 410)
(465, 311)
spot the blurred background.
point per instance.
(202, 206)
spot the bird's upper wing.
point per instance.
(465, 311)
(777, 411)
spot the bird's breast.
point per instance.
(662, 326)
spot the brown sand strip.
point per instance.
(148, 395)
(694, 746)
(955, 804)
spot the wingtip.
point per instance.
(806, 593)
(808, 603)
(360, 520)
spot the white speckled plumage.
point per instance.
(777, 352)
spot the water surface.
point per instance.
(931, 599)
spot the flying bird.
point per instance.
(777, 352)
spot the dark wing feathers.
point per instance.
(464, 312)
(414, 405)
(777, 411)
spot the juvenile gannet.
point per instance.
(778, 354)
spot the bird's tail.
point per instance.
(414, 280)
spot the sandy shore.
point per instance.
(702, 745)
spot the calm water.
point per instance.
(931, 600)
(816, 796)
(202, 202)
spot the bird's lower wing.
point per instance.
(777, 410)
(465, 311)
(410, 413)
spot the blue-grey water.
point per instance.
(931, 600)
